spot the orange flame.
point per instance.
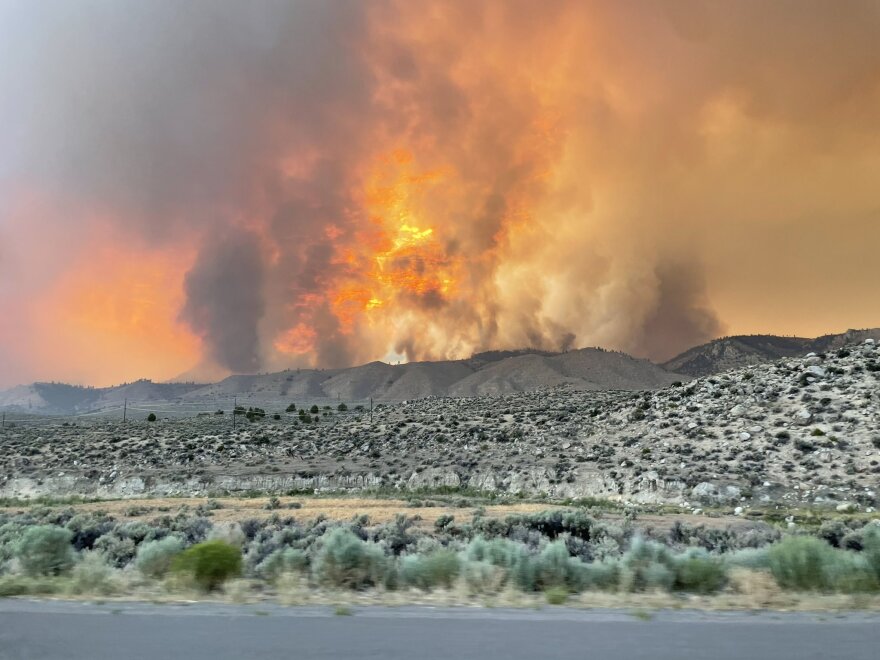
(399, 258)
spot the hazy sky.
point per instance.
(208, 186)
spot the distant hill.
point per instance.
(63, 399)
(489, 373)
(588, 368)
(494, 372)
(743, 350)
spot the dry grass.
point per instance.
(343, 508)
(749, 591)
(379, 510)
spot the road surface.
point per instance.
(32, 630)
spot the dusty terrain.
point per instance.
(801, 431)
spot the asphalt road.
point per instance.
(112, 631)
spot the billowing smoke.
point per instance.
(224, 300)
(325, 182)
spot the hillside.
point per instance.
(800, 432)
(491, 373)
(741, 351)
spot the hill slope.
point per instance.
(496, 372)
(741, 351)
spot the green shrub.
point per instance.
(443, 523)
(19, 585)
(554, 567)
(438, 568)
(154, 558)
(696, 571)
(482, 577)
(151, 417)
(518, 565)
(118, 550)
(751, 558)
(647, 566)
(286, 560)
(210, 563)
(602, 575)
(344, 560)
(556, 595)
(92, 575)
(45, 550)
(871, 547)
(802, 563)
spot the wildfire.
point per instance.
(399, 260)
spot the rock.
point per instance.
(745, 436)
(846, 507)
(802, 417)
(816, 371)
(711, 493)
(738, 511)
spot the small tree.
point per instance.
(342, 407)
(314, 410)
(291, 408)
(151, 417)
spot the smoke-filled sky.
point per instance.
(211, 186)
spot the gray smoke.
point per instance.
(225, 303)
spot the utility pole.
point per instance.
(371, 410)
(125, 410)
(4, 420)
(234, 408)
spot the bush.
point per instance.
(443, 522)
(482, 577)
(647, 566)
(510, 556)
(801, 562)
(342, 407)
(92, 575)
(118, 550)
(602, 575)
(210, 563)
(291, 408)
(749, 558)
(344, 560)
(556, 595)
(554, 567)
(154, 558)
(45, 550)
(283, 561)
(18, 585)
(871, 548)
(696, 571)
(438, 568)
(151, 417)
